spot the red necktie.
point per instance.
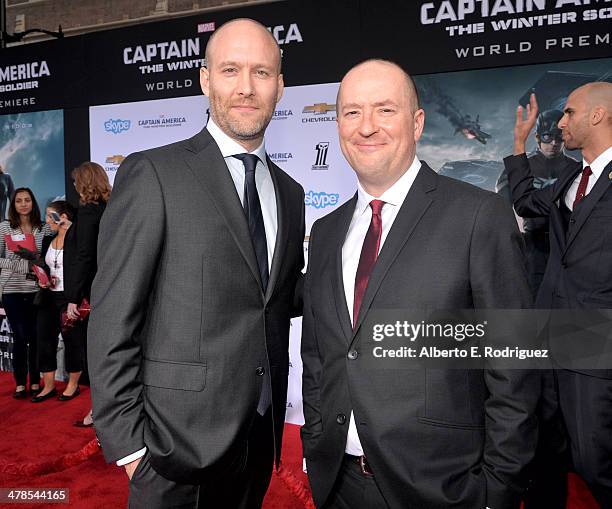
(369, 254)
(582, 186)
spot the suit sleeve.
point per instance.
(311, 362)
(85, 259)
(499, 281)
(528, 201)
(129, 245)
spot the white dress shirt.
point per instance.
(597, 167)
(351, 251)
(267, 199)
(263, 180)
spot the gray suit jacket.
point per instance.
(180, 327)
(435, 438)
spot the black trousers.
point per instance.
(551, 463)
(21, 314)
(244, 490)
(586, 403)
(537, 246)
(48, 327)
(354, 490)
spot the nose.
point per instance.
(245, 83)
(562, 122)
(367, 126)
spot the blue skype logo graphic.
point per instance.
(321, 200)
(116, 126)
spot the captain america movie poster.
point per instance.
(470, 115)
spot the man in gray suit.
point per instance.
(200, 250)
(409, 239)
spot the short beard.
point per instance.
(236, 129)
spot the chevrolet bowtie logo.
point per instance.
(117, 159)
(319, 108)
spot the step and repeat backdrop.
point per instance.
(105, 95)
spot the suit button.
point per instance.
(564, 265)
(353, 354)
(341, 418)
(572, 220)
(260, 371)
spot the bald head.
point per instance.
(379, 123)
(597, 95)
(380, 65)
(243, 27)
(242, 80)
(587, 119)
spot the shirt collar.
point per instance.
(230, 147)
(600, 162)
(395, 195)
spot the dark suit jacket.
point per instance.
(179, 323)
(80, 255)
(435, 438)
(579, 270)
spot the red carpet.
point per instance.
(39, 448)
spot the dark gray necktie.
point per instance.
(252, 209)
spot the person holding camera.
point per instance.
(59, 216)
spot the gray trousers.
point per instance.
(244, 490)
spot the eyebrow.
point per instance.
(386, 102)
(237, 64)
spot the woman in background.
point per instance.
(19, 287)
(52, 304)
(92, 184)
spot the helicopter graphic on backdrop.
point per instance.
(463, 123)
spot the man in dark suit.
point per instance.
(200, 249)
(547, 162)
(579, 270)
(409, 239)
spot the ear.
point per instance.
(419, 124)
(281, 87)
(597, 115)
(205, 80)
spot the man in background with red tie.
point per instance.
(579, 270)
(410, 239)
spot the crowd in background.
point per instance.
(39, 304)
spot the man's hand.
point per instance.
(522, 128)
(130, 468)
(73, 313)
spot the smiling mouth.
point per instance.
(369, 147)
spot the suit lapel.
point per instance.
(344, 221)
(282, 233)
(412, 210)
(565, 182)
(584, 209)
(209, 168)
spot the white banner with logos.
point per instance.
(301, 138)
(117, 130)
